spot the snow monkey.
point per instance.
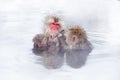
(78, 47)
(50, 44)
(53, 36)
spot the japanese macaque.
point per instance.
(51, 43)
(78, 47)
(53, 35)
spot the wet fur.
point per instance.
(52, 49)
(48, 41)
(81, 40)
(78, 47)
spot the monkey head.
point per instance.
(76, 34)
(52, 24)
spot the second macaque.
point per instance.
(78, 47)
(77, 38)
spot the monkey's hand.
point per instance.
(38, 39)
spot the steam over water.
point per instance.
(20, 20)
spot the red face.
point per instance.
(54, 27)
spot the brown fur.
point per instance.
(78, 47)
(38, 38)
(45, 42)
(47, 36)
(76, 37)
(50, 46)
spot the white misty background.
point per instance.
(20, 20)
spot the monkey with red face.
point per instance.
(51, 43)
(52, 31)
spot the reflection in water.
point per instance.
(77, 58)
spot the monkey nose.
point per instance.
(73, 38)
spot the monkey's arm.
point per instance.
(38, 47)
(86, 47)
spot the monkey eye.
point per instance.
(75, 32)
(80, 34)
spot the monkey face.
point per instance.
(75, 35)
(54, 27)
(74, 38)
